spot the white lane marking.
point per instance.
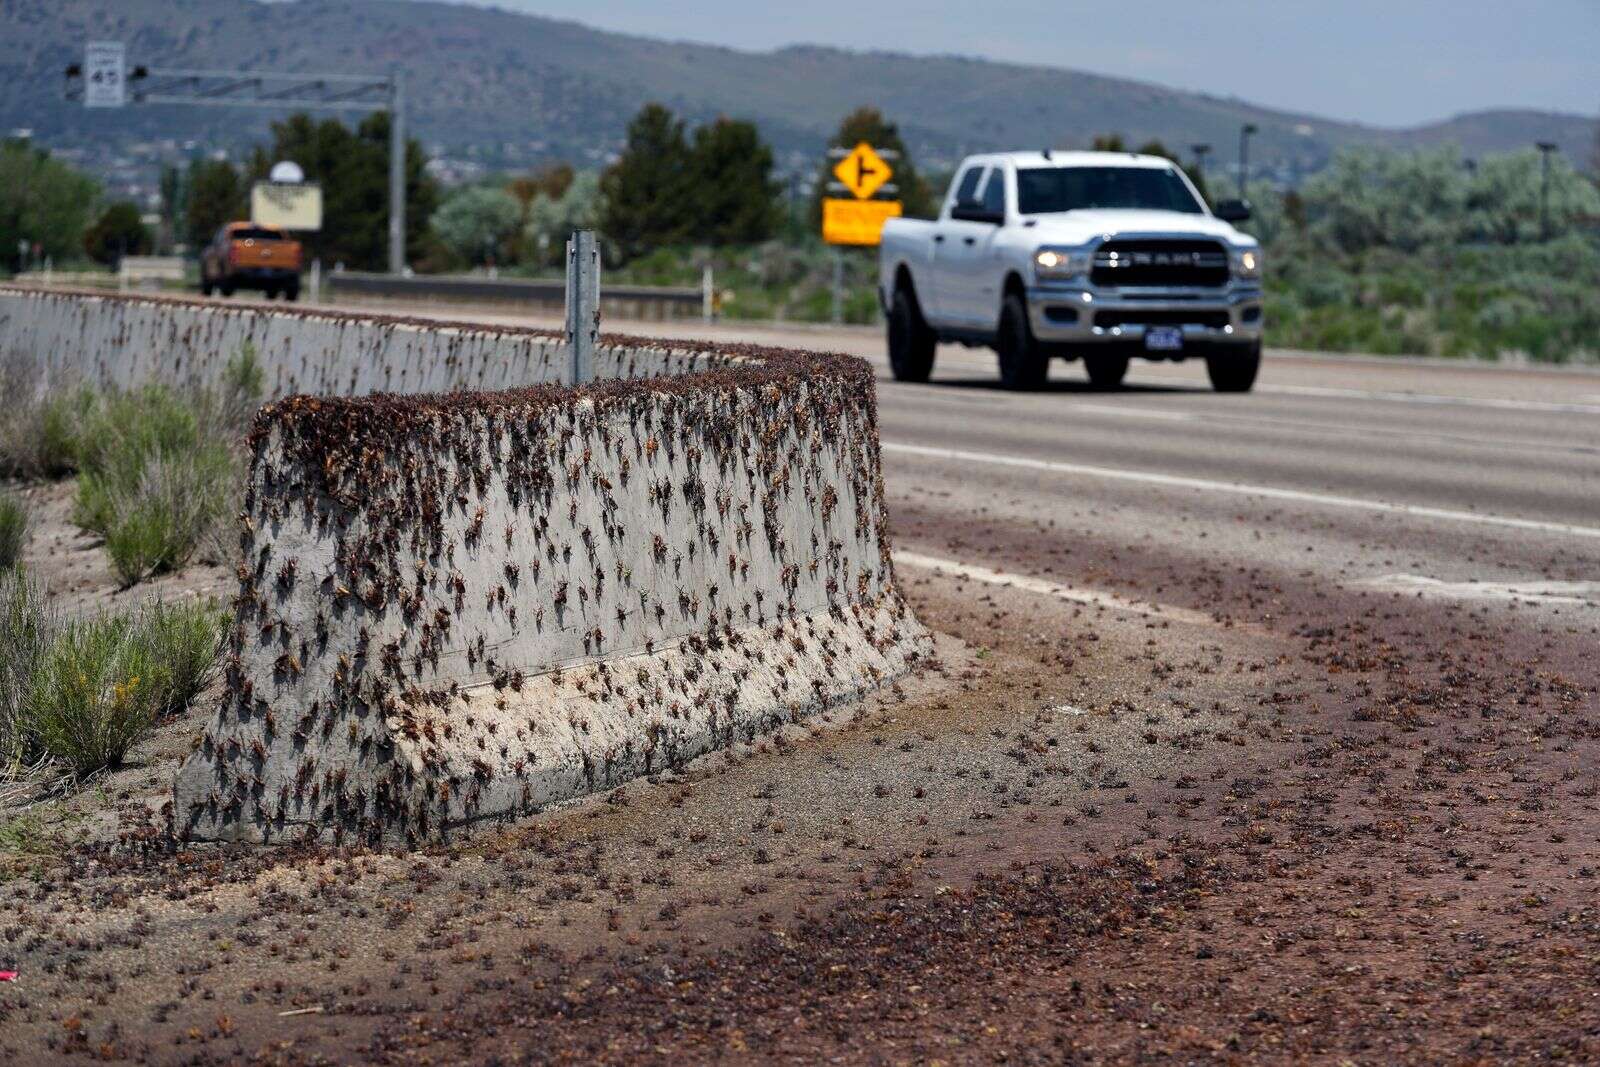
(1343, 430)
(1400, 397)
(1174, 481)
(1540, 591)
(1138, 413)
(1027, 584)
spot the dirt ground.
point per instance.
(1316, 826)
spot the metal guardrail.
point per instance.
(667, 299)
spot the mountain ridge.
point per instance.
(512, 87)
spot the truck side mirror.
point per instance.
(1232, 210)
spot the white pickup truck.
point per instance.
(1094, 255)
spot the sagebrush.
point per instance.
(101, 684)
(13, 529)
(28, 626)
(159, 467)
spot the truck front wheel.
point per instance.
(911, 340)
(1233, 369)
(1022, 364)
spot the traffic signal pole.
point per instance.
(269, 89)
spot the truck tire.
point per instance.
(225, 289)
(205, 287)
(1106, 370)
(911, 340)
(1023, 365)
(291, 292)
(1233, 370)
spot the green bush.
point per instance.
(28, 625)
(13, 530)
(1541, 301)
(94, 694)
(126, 427)
(39, 428)
(102, 683)
(184, 638)
(158, 522)
(159, 468)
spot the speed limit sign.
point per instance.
(104, 74)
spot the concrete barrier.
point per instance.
(464, 606)
(123, 340)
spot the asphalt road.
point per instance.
(1424, 478)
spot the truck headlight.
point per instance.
(1054, 263)
(1247, 263)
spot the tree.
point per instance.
(118, 232)
(551, 181)
(551, 219)
(353, 169)
(174, 198)
(43, 203)
(475, 222)
(216, 196)
(734, 198)
(1368, 197)
(868, 124)
(1504, 191)
(645, 194)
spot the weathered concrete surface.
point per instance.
(122, 340)
(462, 604)
(422, 573)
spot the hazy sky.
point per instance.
(1387, 62)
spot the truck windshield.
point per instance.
(1041, 190)
(258, 234)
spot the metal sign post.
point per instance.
(397, 173)
(583, 305)
(838, 286)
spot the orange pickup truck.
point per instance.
(245, 256)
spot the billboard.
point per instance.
(286, 206)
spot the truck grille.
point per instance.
(1160, 262)
(1214, 319)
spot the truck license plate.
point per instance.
(1163, 338)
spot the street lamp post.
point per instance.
(1545, 148)
(1200, 152)
(397, 172)
(1244, 159)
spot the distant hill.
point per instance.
(512, 88)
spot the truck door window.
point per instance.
(994, 193)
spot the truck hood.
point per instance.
(1080, 227)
